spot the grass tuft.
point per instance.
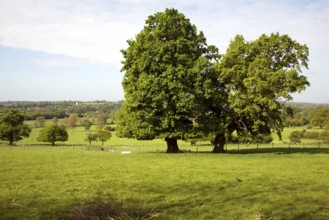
(111, 209)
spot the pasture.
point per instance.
(267, 181)
(279, 183)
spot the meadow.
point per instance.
(43, 182)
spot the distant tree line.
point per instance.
(62, 109)
(313, 115)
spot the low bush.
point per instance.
(324, 135)
(295, 137)
(311, 135)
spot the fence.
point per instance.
(234, 148)
(277, 146)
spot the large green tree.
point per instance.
(165, 67)
(53, 133)
(12, 126)
(256, 79)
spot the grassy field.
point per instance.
(278, 183)
(275, 181)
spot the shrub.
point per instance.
(324, 135)
(262, 138)
(110, 128)
(295, 137)
(311, 134)
(259, 139)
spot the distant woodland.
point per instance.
(300, 113)
(62, 109)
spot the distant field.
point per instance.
(286, 132)
(279, 183)
(77, 138)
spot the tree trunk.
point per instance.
(219, 143)
(172, 146)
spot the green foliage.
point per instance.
(103, 135)
(60, 109)
(259, 76)
(102, 119)
(324, 135)
(164, 66)
(295, 137)
(55, 120)
(91, 137)
(40, 121)
(72, 120)
(311, 134)
(53, 133)
(109, 128)
(320, 117)
(12, 127)
(259, 139)
(86, 123)
(296, 115)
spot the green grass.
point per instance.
(78, 134)
(279, 183)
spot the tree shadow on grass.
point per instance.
(276, 150)
(279, 150)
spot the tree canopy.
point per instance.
(177, 86)
(258, 78)
(320, 117)
(53, 133)
(163, 66)
(12, 126)
(103, 135)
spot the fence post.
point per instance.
(238, 146)
(257, 145)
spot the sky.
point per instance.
(53, 50)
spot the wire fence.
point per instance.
(202, 147)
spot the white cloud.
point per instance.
(52, 27)
(95, 31)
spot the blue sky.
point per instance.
(70, 49)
